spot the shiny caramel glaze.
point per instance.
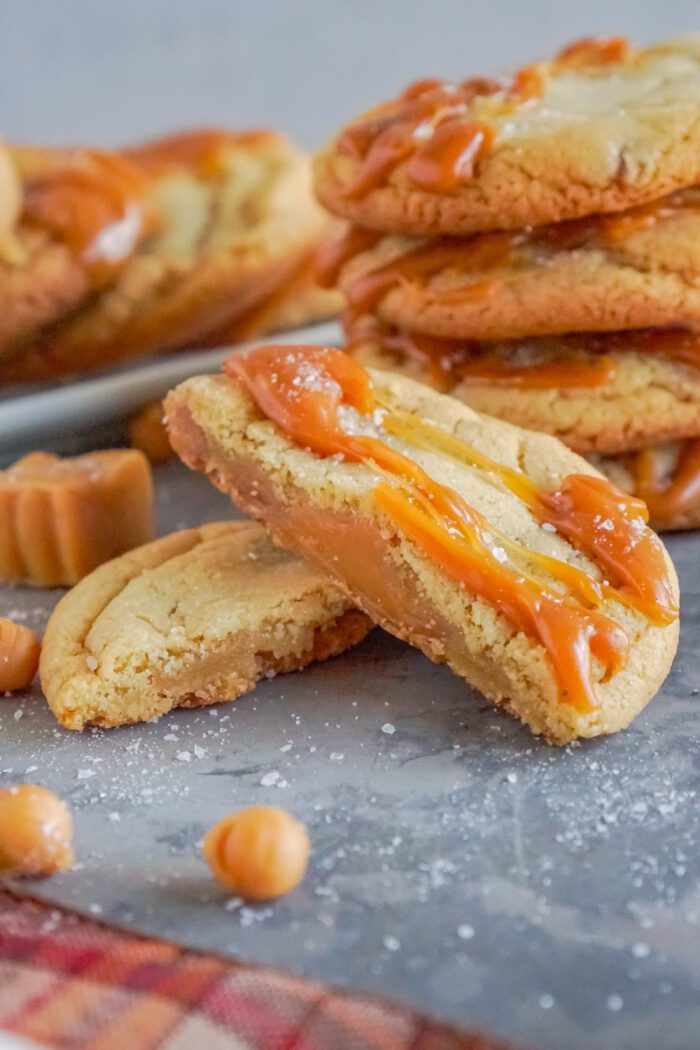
(431, 125)
(303, 389)
(94, 202)
(545, 363)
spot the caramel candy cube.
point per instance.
(19, 655)
(61, 518)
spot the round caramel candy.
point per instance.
(19, 655)
(148, 434)
(259, 853)
(36, 832)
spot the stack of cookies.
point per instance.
(531, 245)
(107, 255)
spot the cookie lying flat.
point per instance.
(607, 393)
(83, 214)
(236, 215)
(192, 619)
(665, 476)
(448, 528)
(637, 269)
(601, 128)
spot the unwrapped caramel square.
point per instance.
(61, 518)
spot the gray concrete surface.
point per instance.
(458, 863)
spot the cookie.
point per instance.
(83, 214)
(636, 269)
(191, 619)
(237, 215)
(665, 476)
(607, 393)
(602, 127)
(471, 539)
(298, 302)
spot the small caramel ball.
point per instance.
(259, 853)
(36, 832)
(19, 655)
(147, 432)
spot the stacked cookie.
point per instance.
(106, 255)
(532, 246)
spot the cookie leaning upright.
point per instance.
(493, 549)
(191, 619)
(599, 128)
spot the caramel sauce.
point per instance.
(302, 390)
(595, 51)
(670, 496)
(333, 255)
(428, 125)
(93, 202)
(448, 158)
(451, 361)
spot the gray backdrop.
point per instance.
(108, 70)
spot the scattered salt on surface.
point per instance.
(388, 728)
(183, 756)
(91, 663)
(273, 779)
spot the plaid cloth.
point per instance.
(67, 981)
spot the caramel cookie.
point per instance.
(471, 539)
(83, 213)
(193, 618)
(636, 269)
(602, 127)
(236, 216)
(608, 393)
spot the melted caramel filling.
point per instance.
(451, 361)
(428, 125)
(93, 202)
(674, 494)
(303, 390)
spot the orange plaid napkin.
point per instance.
(67, 981)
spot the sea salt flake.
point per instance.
(465, 932)
(614, 1002)
(388, 728)
(183, 756)
(392, 944)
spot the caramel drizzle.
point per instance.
(93, 202)
(302, 390)
(675, 494)
(430, 126)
